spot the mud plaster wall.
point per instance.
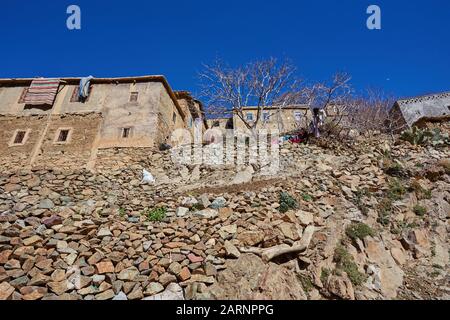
(19, 156)
(77, 151)
(140, 116)
(166, 125)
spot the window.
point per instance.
(174, 117)
(190, 123)
(216, 124)
(63, 135)
(19, 138)
(266, 116)
(76, 97)
(249, 116)
(23, 95)
(126, 132)
(134, 96)
(297, 115)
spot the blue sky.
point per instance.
(409, 56)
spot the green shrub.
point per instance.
(395, 170)
(359, 231)
(306, 197)
(156, 214)
(417, 136)
(344, 262)
(306, 282)
(419, 210)
(357, 200)
(287, 202)
(385, 211)
(324, 275)
(420, 191)
(122, 212)
(396, 190)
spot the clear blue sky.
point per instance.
(409, 56)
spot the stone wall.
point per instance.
(20, 155)
(78, 149)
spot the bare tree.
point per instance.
(259, 84)
(370, 113)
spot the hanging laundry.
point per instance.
(83, 91)
(42, 92)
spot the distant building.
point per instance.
(284, 119)
(419, 110)
(221, 123)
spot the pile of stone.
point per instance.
(91, 235)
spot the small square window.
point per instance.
(134, 96)
(19, 138)
(63, 135)
(297, 115)
(126, 132)
(249, 116)
(174, 117)
(266, 116)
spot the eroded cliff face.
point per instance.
(371, 221)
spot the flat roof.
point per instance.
(76, 80)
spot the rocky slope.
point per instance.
(372, 220)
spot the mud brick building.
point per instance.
(130, 112)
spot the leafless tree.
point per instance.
(370, 113)
(260, 84)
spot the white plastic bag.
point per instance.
(148, 178)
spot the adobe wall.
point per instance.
(19, 156)
(79, 147)
(75, 153)
(166, 125)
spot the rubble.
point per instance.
(87, 235)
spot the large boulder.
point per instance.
(249, 278)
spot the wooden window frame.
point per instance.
(123, 130)
(134, 95)
(58, 133)
(12, 142)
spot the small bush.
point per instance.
(156, 214)
(395, 170)
(324, 275)
(359, 231)
(306, 282)
(396, 190)
(419, 210)
(359, 194)
(287, 202)
(420, 191)
(385, 211)
(122, 212)
(306, 197)
(344, 261)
